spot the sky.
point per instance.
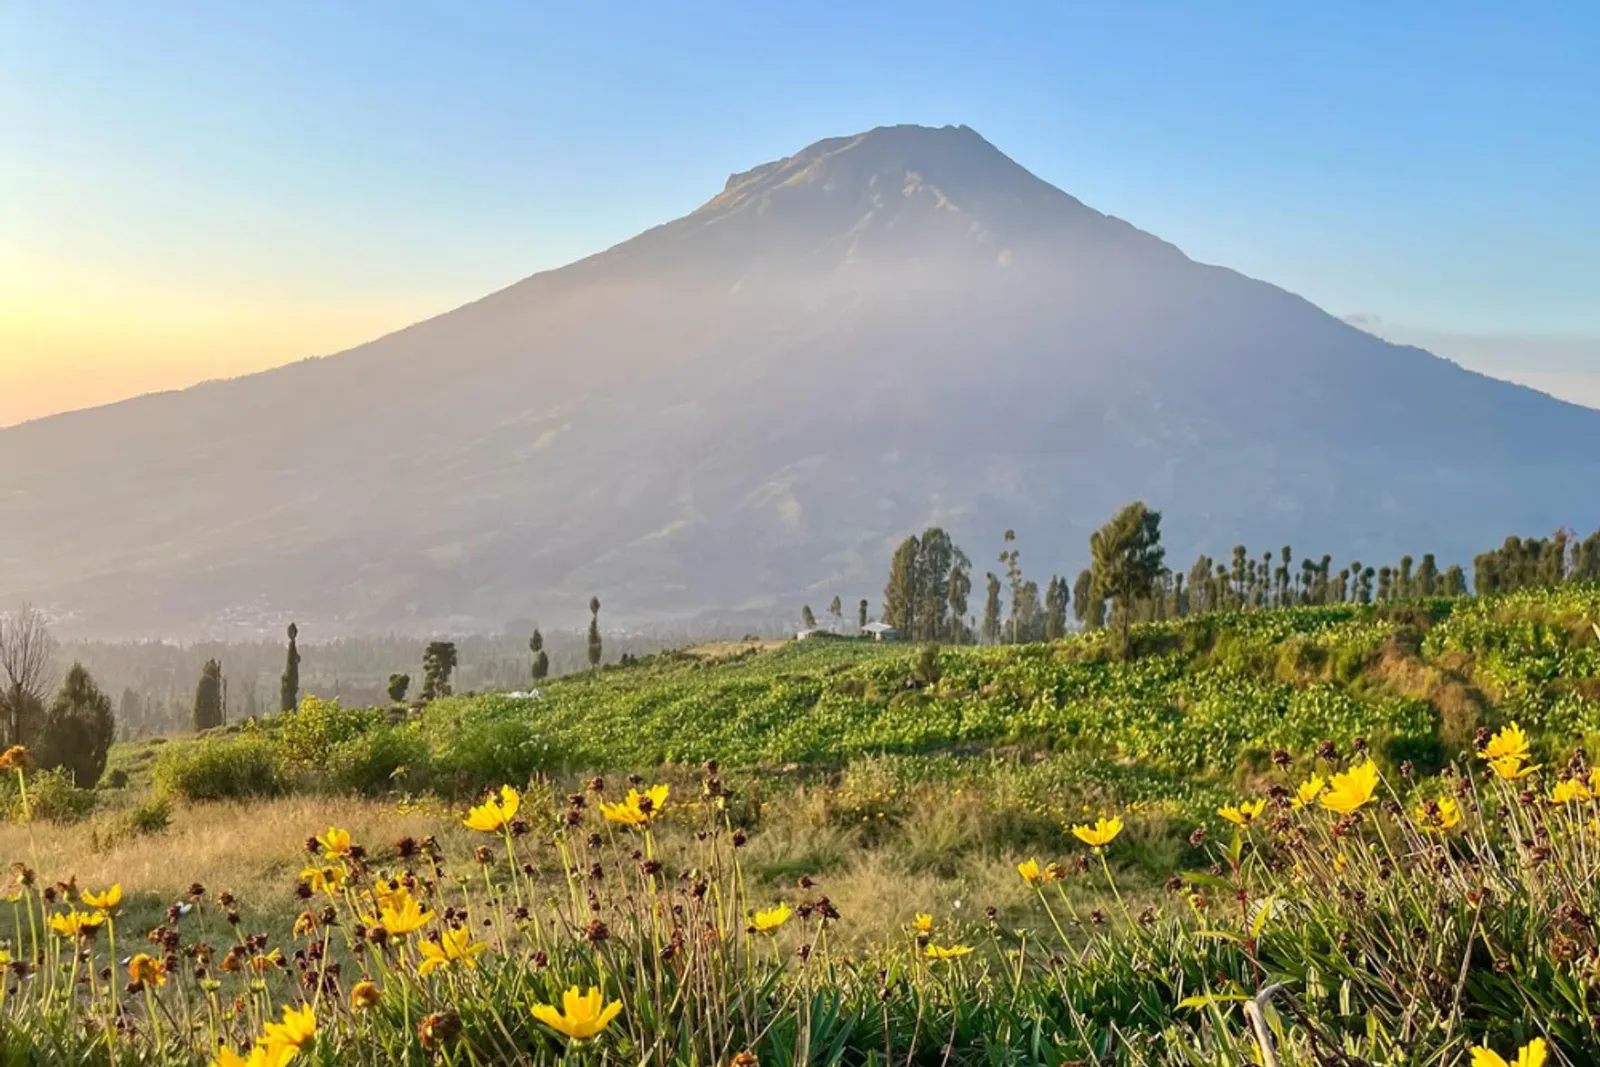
(199, 190)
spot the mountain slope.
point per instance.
(746, 406)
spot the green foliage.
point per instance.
(379, 761)
(398, 685)
(438, 664)
(307, 736)
(150, 816)
(221, 768)
(51, 797)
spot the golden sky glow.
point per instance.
(71, 338)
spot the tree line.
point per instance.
(1127, 581)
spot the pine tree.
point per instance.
(991, 610)
(595, 647)
(289, 684)
(1082, 599)
(208, 697)
(541, 659)
(79, 730)
(861, 614)
(1128, 556)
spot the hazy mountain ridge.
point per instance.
(745, 406)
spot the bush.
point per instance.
(486, 744)
(310, 734)
(51, 796)
(221, 769)
(372, 762)
(117, 779)
(153, 816)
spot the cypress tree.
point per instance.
(861, 614)
(541, 659)
(438, 663)
(1082, 595)
(595, 647)
(208, 697)
(807, 619)
(289, 684)
(836, 609)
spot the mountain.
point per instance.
(746, 407)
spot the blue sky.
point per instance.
(222, 186)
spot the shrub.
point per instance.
(52, 796)
(153, 816)
(310, 734)
(221, 769)
(486, 743)
(117, 779)
(373, 761)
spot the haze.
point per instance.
(189, 194)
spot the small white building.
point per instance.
(880, 631)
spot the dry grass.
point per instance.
(255, 849)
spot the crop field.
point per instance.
(1341, 835)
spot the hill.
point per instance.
(752, 403)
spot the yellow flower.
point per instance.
(923, 923)
(1340, 863)
(1245, 813)
(453, 946)
(1530, 1055)
(14, 758)
(262, 1055)
(364, 995)
(582, 1015)
(76, 923)
(324, 879)
(399, 914)
(1570, 789)
(941, 952)
(637, 809)
(493, 814)
(296, 1029)
(1594, 780)
(1511, 769)
(1509, 743)
(1441, 816)
(770, 919)
(1031, 872)
(147, 970)
(1309, 790)
(1351, 789)
(107, 901)
(1101, 834)
(335, 843)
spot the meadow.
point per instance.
(1308, 836)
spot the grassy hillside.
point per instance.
(891, 796)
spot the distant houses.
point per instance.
(872, 631)
(880, 631)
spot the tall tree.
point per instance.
(289, 684)
(958, 590)
(1427, 575)
(1012, 558)
(438, 663)
(807, 618)
(935, 558)
(901, 594)
(26, 652)
(990, 630)
(79, 730)
(595, 647)
(861, 614)
(398, 684)
(1454, 581)
(1056, 597)
(836, 609)
(208, 696)
(1128, 557)
(541, 658)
